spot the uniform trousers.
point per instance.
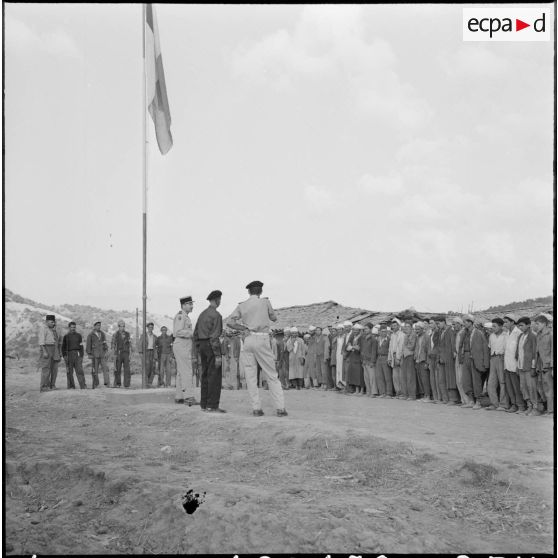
(122, 361)
(513, 389)
(396, 377)
(74, 363)
(436, 395)
(408, 377)
(49, 367)
(182, 349)
(211, 377)
(256, 351)
(165, 360)
(471, 378)
(423, 377)
(384, 379)
(497, 380)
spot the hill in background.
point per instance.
(24, 316)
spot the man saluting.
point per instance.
(254, 316)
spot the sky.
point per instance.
(361, 154)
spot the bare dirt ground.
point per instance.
(104, 471)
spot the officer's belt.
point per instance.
(258, 333)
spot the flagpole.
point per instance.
(144, 108)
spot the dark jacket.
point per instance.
(544, 350)
(529, 350)
(447, 346)
(95, 347)
(478, 346)
(369, 349)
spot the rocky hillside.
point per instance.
(24, 316)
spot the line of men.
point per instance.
(53, 348)
(251, 319)
(436, 361)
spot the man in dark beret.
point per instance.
(207, 333)
(526, 367)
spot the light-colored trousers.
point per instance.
(256, 351)
(459, 382)
(496, 378)
(183, 356)
(397, 379)
(370, 379)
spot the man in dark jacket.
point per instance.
(95, 348)
(369, 356)
(207, 333)
(526, 356)
(121, 346)
(474, 357)
(163, 345)
(446, 364)
(72, 352)
(545, 361)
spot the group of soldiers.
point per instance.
(445, 360)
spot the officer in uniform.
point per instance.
(254, 317)
(182, 348)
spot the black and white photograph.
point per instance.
(279, 279)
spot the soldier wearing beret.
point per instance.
(207, 337)
(121, 345)
(254, 317)
(49, 357)
(182, 349)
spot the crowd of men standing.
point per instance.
(445, 360)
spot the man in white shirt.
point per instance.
(496, 378)
(395, 355)
(511, 373)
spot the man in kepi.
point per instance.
(49, 357)
(254, 316)
(207, 339)
(182, 349)
(72, 351)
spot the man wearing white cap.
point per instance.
(355, 373)
(310, 360)
(421, 358)
(395, 356)
(295, 348)
(369, 355)
(459, 330)
(322, 356)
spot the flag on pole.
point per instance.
(155, 77)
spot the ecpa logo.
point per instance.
(507, 24)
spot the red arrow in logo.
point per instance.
(519, 25)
